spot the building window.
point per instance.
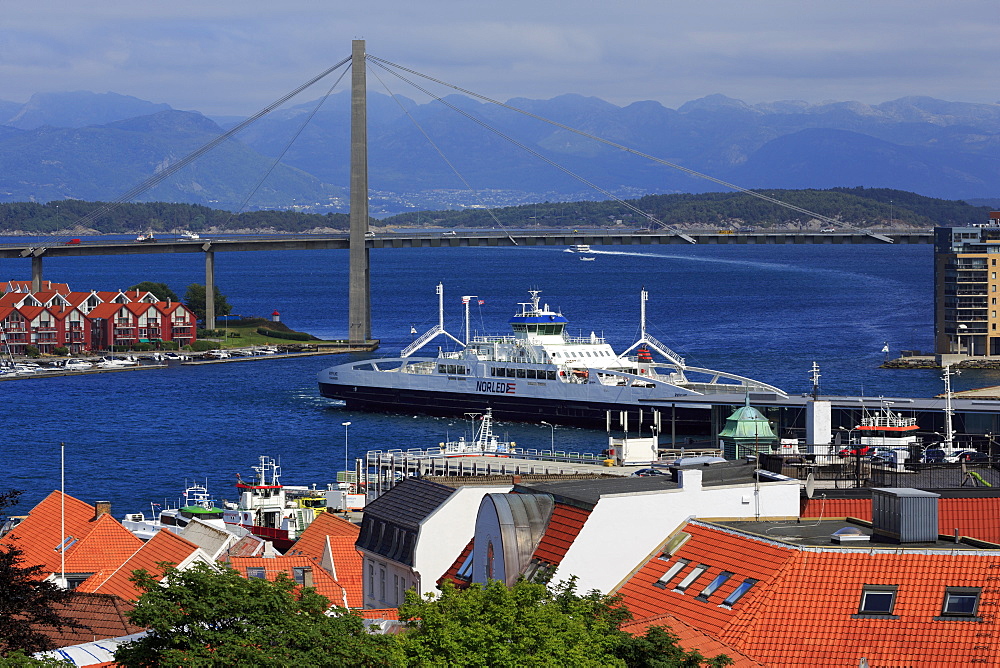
(877, 600)
(744, 587)
(371, 580)
(691, 577)
(671, 572)
(960, 602)
(256, 573)
(303, 576)
(719, 580)
(381, 583)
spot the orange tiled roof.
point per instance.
(105, 310)
(322, 581)
(100, 616)
(563, 528)
(452, 572)
(313, 539)
(803, 610)
(38, 536)
(380, 613)
(348, 563)
(972, 516)
(31, 312)
(691, 639)
(163, 546)
(107, 545)
(329, 532)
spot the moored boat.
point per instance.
(537, 372)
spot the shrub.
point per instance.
(142, 347)
(32, 351)
(169, 345)
(201, 346)
(62, 351)
(293, 336)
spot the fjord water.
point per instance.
(766, 312)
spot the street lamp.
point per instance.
(962, 330)
(553, 434)
(346, 425)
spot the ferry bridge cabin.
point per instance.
(85, 321)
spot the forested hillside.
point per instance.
(861, 207)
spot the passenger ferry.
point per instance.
(537, 372)
(578, 248)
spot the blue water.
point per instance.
(762, 311)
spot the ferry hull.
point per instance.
(688, 419)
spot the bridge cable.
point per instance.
(538, 155)
(437, 148)
(288, 145)
(158, 177)
(621, 147)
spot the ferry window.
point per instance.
(552, 375)
(744, 587)
(960, 601)
(518, 327)
(511, 373)
(442, 368)
(534, 328)
(451, 369)
(531, 372)
(554, 355)
(877, 600)
(520, 373)
(256, 573)
(493, 371)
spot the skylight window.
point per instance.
(877, 600)
(465, 570)
(744, 587)
(691, 577)
(671, 572)
(719, 580)
(256, 573)
(66, 544)
(960, 601)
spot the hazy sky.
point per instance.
(235, 57)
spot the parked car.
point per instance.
(644, 473)
(972, 456)
(863, 450)
(888, 455)
(933, 456)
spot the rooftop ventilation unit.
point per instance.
(905, 515)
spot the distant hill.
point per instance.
(871, 208)
(95, 146)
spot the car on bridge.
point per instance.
(72, 242)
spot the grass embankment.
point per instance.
(250, 332)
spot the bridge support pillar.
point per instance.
(359, 325)
(36, 273)
(209, 289)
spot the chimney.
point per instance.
(905, 515)
(689, 479)
(102, 508)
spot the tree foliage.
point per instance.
(530, 625)
(26, 602)
(161, 290)
(208, 617)
(194, 299)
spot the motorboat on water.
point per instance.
(538, 371)
(578, 248)
(189, 236)
(265, 509)
(196, 503)
(586, 259)
(72, 365)
(117, 362)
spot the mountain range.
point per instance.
(456, 151)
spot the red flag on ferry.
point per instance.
(481, 302)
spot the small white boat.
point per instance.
(190, 236)
(116, 362)
(586, 259)
(578, 248)
(73, 365)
